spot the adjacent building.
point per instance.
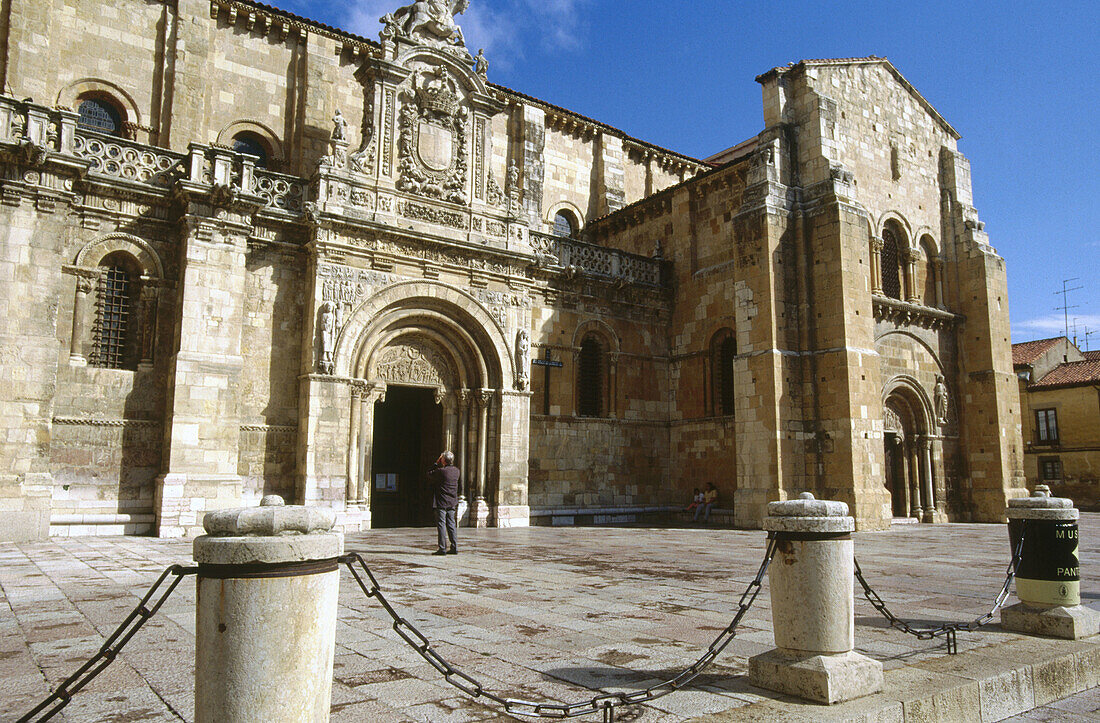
(245, 253)
(1060, 398)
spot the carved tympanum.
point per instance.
(412, 362)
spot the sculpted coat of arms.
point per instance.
(433, 141)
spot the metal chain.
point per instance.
(111, 647)
(605, 703)
(945, 629)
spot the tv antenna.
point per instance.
(1066, 306)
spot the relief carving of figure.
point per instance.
(523, 347)
(941, 400)
(339, 127)
(430, 22)
(328, 326)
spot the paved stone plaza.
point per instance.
(554, 613)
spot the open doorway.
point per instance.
(408, 436)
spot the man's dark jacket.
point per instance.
(444, 481)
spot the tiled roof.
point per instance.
(1092, 355)
(1071, 374)
(1028, 351)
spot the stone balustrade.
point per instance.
(588, 259)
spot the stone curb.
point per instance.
(989, 683)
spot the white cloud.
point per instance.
(501, 27)
(1054, 325)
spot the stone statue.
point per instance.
(481, 65)
(941, 400)
(339, 127)
(523, 348)
(327, 329)
(430, 22)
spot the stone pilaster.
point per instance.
(202, 428)
(989, 395)
(611, 185)
(533, 137)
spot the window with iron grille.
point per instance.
(1050, 468)
(891, 264)
(590, 379)
(1046, 426)
(97, 114)
(112, 318)
(727, 350)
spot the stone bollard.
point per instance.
(265, 623)
(1048, 580)
(813, 613)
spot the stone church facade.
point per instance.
(243, 253)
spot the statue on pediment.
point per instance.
(428, 22)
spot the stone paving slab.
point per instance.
(554, 614)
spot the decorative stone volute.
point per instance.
(1041, 506)
(272, 518)
(807, 514)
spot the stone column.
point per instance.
(354, 468)
(937, 269)
(813, 611)
(450, 422)
(877, 244)
(940, 479)
(926, 474)
(463, 440)
(265, 620)
(1048, 577)
(903, 452)
(912, 294)
(612, 384)
(913, 465)
(374, 393)
(85, 283)
(479, 513)
(150, 295)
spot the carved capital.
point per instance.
(463, 397)
(877, 244)
(485, 397)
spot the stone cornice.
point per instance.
(887, 309)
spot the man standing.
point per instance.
(444, 483)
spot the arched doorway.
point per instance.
(429, 375)
(907, 468)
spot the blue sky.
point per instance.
(1018, 80)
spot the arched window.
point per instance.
(98, 113)
(723, 355)
(116, 332)
(565, 224)
(892, 274)
(253, 145)
(590, 378)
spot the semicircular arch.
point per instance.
(913, 394)
(94, 252)
(478, 337)
(601, 328)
